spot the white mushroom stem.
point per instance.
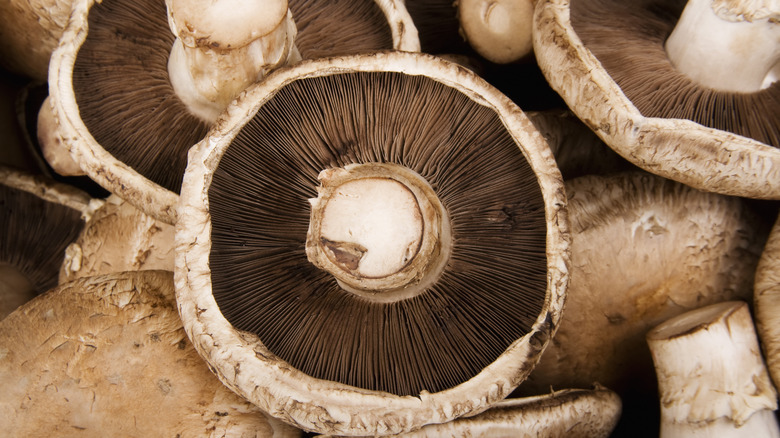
(223, 46)
(728, 45)
(379, 229)
(499, 30)
(711, 377)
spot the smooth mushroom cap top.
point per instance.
(230, 23)
(500, 31)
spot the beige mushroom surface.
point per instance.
(332, 360)
(29, 32)
(107, 356)
(574, 413)
(117, 238)
(644, 249)
(698, 154)
(122, 119)
(766, 302)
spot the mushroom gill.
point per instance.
(628, 39)
(491, 290)
(37, 229)
(124, 96)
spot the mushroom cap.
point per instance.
(39, 218)
(117, 238)
(679, 149)
(107, 355)
(574, 413)
(112, 144)
(244, 362)
(766, 301)
(644, 249)
(29, 32)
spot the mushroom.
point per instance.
(644, 249)
(499, 30)
(578, 151)
(711, 377)
(107, 356)
(766, 301)
(121, 117)
(39, 218)
(607, 60)
(118, 237)
(29, 32)
(574, 413)
(463, 296)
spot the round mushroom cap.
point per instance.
(606, 59)
(644, 249)
(119, 115)
(289, 336)
(107, 355)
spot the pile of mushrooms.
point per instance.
(407, 218)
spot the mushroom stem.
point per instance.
(379, 229)
(222, 47)
(711, 377)
(499, 30)
(727, 45)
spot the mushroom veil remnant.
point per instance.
(360, 270)
(686, 91)
(135, 84)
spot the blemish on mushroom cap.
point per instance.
(350, 408)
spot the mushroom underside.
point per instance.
(493, 286)
(628, 39)
(124, 96)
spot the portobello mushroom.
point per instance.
(356, 269)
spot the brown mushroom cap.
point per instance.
(644, 249)
(705, 157)
(332, 361)
(120, 117)
(39, 218)
(107, 356)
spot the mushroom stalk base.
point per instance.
(726, 47)
(711, 377)
(379, 229)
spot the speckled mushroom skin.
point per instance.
(644, 249)
(29, 32)
(107, 356)
(766, 302)
(247, 367)
(684, 151)
(573, 413)
(51, 191)
(118, 238)
(107, 170)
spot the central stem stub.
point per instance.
(379, 229)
